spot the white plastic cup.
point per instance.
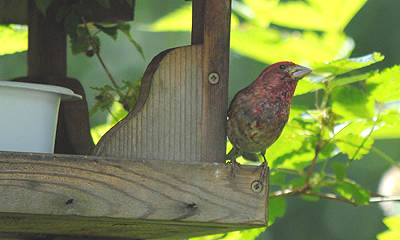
(28, 115)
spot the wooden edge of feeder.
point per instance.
(100, 191)
(145, 87)
(34, 226)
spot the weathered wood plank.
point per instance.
(109, 197)
(122, 188)
(165, 122)
(217, 16)
(33, 226)
(180, 114)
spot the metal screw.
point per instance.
(213, 78)
(256, 186)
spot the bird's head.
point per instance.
(283, 75)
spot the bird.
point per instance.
(258, 113)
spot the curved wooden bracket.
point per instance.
(181, 110)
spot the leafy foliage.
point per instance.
(393, 223)
(106, 97)
(13, 38)
(352, 107)
(74, 13)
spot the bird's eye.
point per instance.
(282, 67)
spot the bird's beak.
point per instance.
(299, 72)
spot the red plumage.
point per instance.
(259, 112)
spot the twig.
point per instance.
(306, 182)
(97, 52)
(302, 191)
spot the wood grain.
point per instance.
(217, 16)
(147, 189)
(180, 115)
(88, 186)
(165, 122)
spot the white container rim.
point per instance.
(66, 94)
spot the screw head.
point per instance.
(256, 186)
(213, 78)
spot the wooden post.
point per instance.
(215, 79)
(181, 111)
(47, 54)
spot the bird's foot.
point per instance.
(263, 173)
(233, 165)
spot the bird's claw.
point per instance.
(263, 173)
(234, 164)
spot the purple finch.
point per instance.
(259, 112)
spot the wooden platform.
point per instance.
(108, 197)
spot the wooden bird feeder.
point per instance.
(160, 172)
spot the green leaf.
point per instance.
(342, 66)
(393, 233)
(352, 191)
(340, 170)
(42, 5)
(110, 31)
(13, 38)
(354, 145)
(306, 86)
(125, 28)
(328, 15)
(385, 86)
(296, 110)
(291, 151)
(352, 103)
(270, 45)
(277, 208)
(389, 126)
(178, 20)
(277, 178)
(337, 82)
(80, 42)
(236, 235)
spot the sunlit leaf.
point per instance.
(391, 127)
(341, 81)
(262, 10)
(342, 66)
(352, 103)
(329, 15)
(292, 150)
(393, 233)
(354, 145)
(178, 20)
(13, 38)
(236, 235)
(352, 191)
(386, 85)
(306, 86)
(117, 112)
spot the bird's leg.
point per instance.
(264, 166)
(233, 160)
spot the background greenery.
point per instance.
(372, 29)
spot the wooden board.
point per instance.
(165, 123)
(180, 114)
(97, 187)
